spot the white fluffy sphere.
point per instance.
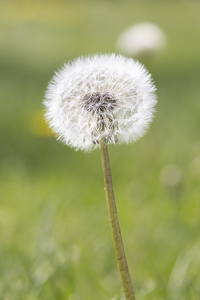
(141, 39)
(100, 96)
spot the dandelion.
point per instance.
(141, 40)
(104, 96)
(100, 100)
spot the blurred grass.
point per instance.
(55, 234)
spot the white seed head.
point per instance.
(100, 96)
(141, 39)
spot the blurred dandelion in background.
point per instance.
(141, 41)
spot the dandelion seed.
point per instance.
(102, 96)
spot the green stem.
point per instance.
(114, 223)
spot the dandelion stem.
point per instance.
(114, 223)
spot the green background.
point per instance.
(55, 239)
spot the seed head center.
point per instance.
(99, 103)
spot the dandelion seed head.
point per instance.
(101, 96)
(141, 39)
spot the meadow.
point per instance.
(55, 236)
